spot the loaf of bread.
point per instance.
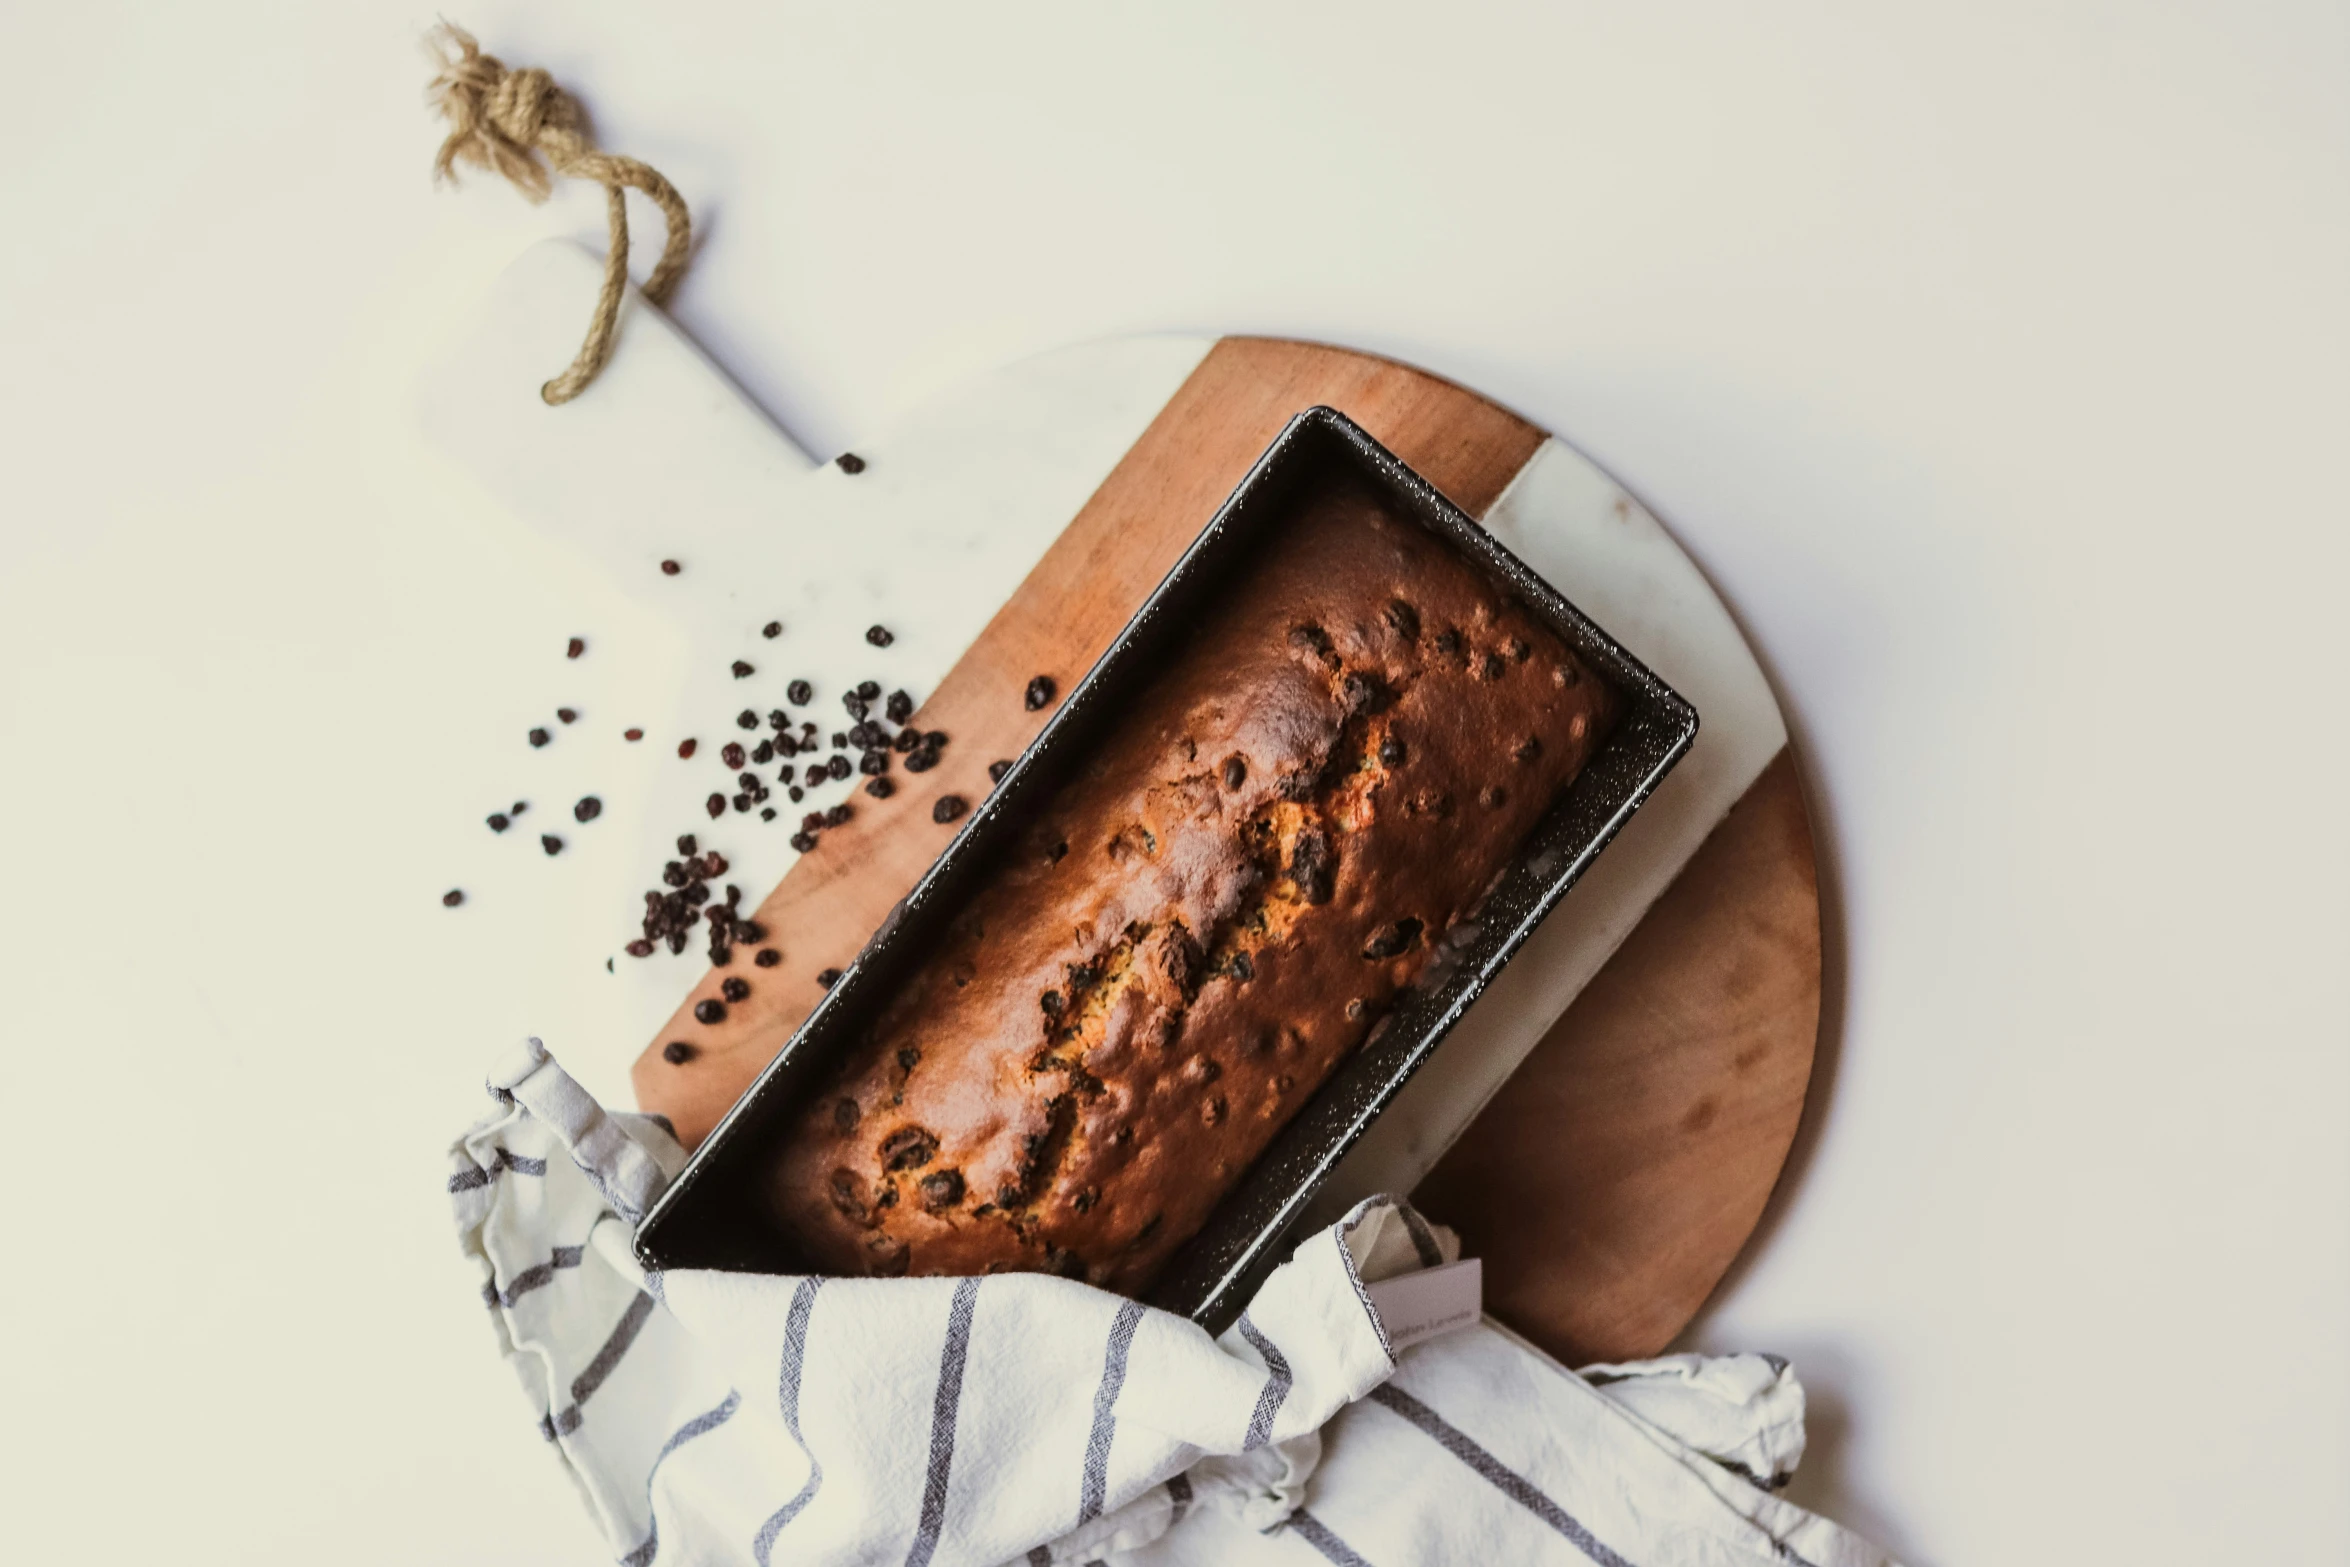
(1268, 847)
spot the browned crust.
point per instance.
(1207, 922)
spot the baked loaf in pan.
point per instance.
(1205, 922)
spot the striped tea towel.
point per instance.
(729, 1418)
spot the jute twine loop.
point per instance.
(506, 121)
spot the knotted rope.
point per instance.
(506, 121)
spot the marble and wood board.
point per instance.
(1606, 1125)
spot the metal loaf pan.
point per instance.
(712, 1216)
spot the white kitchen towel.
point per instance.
(725, 1418)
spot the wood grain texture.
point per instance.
(1610, 1186)
(1061, 618)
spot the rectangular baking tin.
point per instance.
(712, 1215)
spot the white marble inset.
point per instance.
(664, 457)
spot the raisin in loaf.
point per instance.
(1209, 919)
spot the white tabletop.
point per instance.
(1993, 365)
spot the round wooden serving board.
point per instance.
(1606, 1125)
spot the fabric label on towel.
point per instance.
(1415, 1307)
